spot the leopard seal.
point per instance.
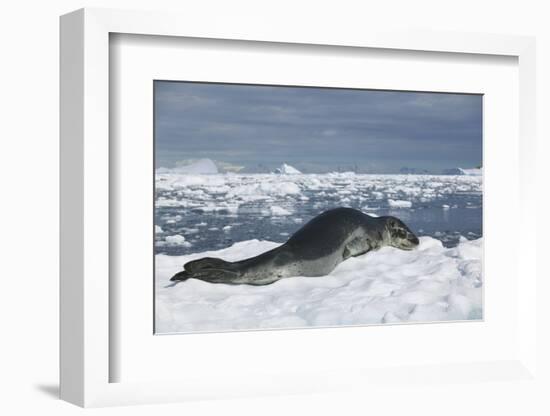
(314, 250)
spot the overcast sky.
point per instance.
(316, 129)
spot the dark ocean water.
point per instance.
(205, 230)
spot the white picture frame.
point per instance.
(86, 291)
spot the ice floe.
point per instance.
(176, 240)
(279, 211)
(430, 283)
(399, 203)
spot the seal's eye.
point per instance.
(398, 233)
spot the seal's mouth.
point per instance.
(411, 242)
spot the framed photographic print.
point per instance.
(231, 197)
(359, 196)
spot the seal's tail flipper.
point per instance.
(181, 276)
(208, 275)
(207, 263)
(209, 269)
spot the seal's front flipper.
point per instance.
(356, 247)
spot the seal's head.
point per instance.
(399, 235)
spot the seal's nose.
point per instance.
(414, 240)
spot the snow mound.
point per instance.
(287, 170)
(430, 283)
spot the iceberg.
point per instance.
(464, 172)
(197, 167)
(285, 169)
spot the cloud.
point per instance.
(318, 127)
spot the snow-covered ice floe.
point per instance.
(399, 204)
(430, 283)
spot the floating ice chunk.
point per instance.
(176, 240)
(445, 206)
(313, 182)
(262, 190)
(395, 203)
(172, 218)
(227, 228)
(168, 182)
(285, 188)
(279, 211)
(158, 230)
(346, 174)
(211, 207)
